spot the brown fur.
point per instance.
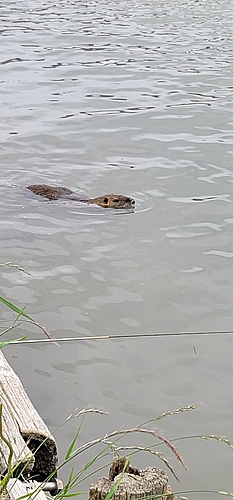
(105, 201)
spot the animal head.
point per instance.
(113, 201)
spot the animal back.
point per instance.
(52, 193)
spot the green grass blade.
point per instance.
(71, 447)
(67, 495)
(21, 313)
(5, 342)
(14, 308)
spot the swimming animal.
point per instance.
(104, 201)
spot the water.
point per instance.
(134, 98)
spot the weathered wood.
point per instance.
(133, 483)
(34, 448)
(16, 489)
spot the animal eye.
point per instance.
(105, 201)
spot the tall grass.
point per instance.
(110, 445)
(21, 317)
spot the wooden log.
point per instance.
(131, 483)
(23, 434)
(16, 489)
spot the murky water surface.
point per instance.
(133, 98)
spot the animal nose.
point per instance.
(133, 203)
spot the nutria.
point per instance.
(105, 201)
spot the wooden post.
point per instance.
(131, 483)
(26, 445)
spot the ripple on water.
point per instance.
(202, 199)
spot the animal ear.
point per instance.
(105, 201)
